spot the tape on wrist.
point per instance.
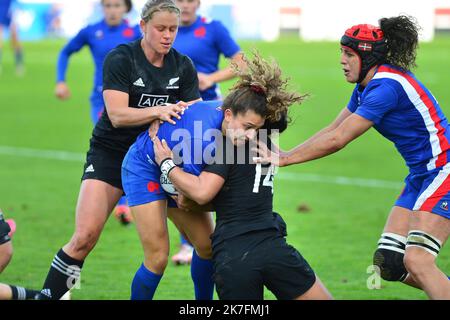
(167, 165)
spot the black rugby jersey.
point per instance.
(127, 69)
(245, 201)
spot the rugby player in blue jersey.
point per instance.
(204, 40)
(258, 95)
(6, 22)
(101, 38)
(391, 99)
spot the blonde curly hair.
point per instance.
(261, 88)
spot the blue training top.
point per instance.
(203, 42)
(6, 12)
(191, 137)
(101, 39)
(405, 112)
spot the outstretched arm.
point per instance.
(325, 142)
(344, 114)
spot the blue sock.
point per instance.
(144, 284)
(122, 201)
(202, 275)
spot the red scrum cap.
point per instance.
(369, 43)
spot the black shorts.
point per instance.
(4, 230)
(245, 264)
(104, 165)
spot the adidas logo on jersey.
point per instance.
(47, 293)
(139, 83)
(90, 168)
(151, 161)
(172, 83)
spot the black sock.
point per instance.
(19, 293)
(62, 276)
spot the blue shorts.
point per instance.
(429, 191)
(140, 180)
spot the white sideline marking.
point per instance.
(284, 175)
(42, 154)
(347, 181)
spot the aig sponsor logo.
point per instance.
(151, 100)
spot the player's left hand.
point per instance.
(184, 203)
(189, 205)
(161, 149)
(204, 81)
(266, 156)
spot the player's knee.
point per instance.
(414, 263)
(389, 257)
(6, 253)
(390, 264)
(421, 252)
(157, 261)
(203, 249)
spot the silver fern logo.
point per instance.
(173, 83)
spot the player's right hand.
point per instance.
(169, 111)
(62, 91)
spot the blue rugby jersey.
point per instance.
(203, 42)
(192, 133)
(404, 111)
(101, 39)
(6, 4)
(6, 12)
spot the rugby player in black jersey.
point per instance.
(143, 81)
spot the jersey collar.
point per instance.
(112, 28)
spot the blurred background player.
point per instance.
(204, 41)
(7, 23)
(101, 38)
(9, 292)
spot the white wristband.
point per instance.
(166, 166)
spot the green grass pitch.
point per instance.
(337, 235)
